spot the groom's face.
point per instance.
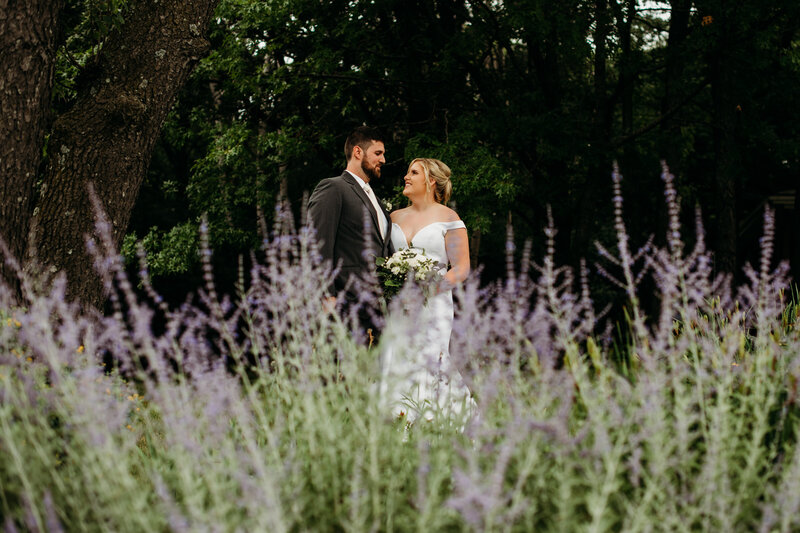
(372, 160)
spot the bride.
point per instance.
(418, 378)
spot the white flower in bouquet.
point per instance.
(393, 271)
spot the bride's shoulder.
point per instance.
(447, 215)
(398, 214)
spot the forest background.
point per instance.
(529, 101)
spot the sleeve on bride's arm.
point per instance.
(456, 224)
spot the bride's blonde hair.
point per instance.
(440, 174)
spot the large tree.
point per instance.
(106, 135)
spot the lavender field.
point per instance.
(259, 411)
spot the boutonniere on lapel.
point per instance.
(386, 204)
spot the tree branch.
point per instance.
(619, 141)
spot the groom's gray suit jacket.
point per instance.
(337, 210)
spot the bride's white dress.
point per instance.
(418, 378)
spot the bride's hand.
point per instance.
(443, 286)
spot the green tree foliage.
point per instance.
(86, 24)
(528, 101)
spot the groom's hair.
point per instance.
(362, 136)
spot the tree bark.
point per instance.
(28, 35)
(586, 198)
(107, 137)
(727, 164)
(726, 170)
(600, 56)
(794, 244)
(627, 75)
(674, 79)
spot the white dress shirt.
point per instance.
(375, 204)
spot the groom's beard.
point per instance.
(371, 172)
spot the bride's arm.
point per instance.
(456, 244)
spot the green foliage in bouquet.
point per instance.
(393, 271)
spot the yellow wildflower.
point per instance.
(29, 359)
(80, 349)
(129, 427)
(17, 323)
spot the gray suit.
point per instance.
(336, 210)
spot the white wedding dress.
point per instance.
(418, 378)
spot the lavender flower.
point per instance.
(258, 410)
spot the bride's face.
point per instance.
(415, 182)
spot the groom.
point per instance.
(352, 227)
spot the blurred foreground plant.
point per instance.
(259, 411)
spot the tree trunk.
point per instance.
(600, 56)
(673, 78)
(598, 170)
(108, 136)
(474, 248)
(727, 165)
(28, 34)
(627, 75)
(794, 245)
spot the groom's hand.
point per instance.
(329, 304)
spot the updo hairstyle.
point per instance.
(438, 172)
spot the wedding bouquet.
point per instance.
(394, 271)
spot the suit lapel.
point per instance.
(367, 203)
